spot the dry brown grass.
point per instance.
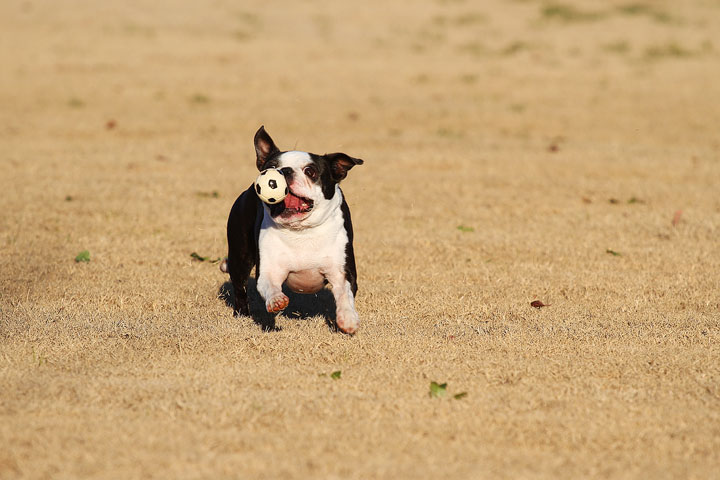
(530, 125)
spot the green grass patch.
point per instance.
(213, 194)
(471, 18)
(513, 48)
(473, 48)
(242, 35)
(669, 50)
(449, 133)
(199, 98)
(75, 102)
(568, 13)
(620, 47)
(249, 18)
(643, 9)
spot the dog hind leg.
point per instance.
(239, 271)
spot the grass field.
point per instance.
(566, 152)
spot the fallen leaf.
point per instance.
(460, 395)
(463, 228)
(204, 259)
(83, 256)
(614, 201)
(335, 375)
(586, 200)
(676, 218)
(538, 304)
(438, 390)
(553, 148)
(110, 124)
(613, 253)
(213, 194)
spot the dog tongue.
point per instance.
(291, 201)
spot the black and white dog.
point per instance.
(305, 241)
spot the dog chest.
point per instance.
(318, 248)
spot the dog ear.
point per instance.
(264, 147)
(340, 164)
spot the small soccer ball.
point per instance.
(271, 186)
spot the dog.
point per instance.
(304, 242)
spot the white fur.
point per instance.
(311, 242)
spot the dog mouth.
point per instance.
(293, 205)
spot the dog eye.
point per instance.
(311, 172)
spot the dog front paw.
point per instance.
(277, 303)
(347, 321)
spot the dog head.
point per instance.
(312, 180)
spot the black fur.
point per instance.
(350, 270)
(243, 230)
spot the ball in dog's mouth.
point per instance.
(292, 205)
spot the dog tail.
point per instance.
(224, 266)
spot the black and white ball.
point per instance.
(271, 186)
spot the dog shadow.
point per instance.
(301, 305)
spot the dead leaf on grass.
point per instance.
(204, 259)
(538, 304)
(613, 253)
(676, 218)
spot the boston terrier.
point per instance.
(305, 241)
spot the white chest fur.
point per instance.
(318, 248)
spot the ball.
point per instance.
(271, 186)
